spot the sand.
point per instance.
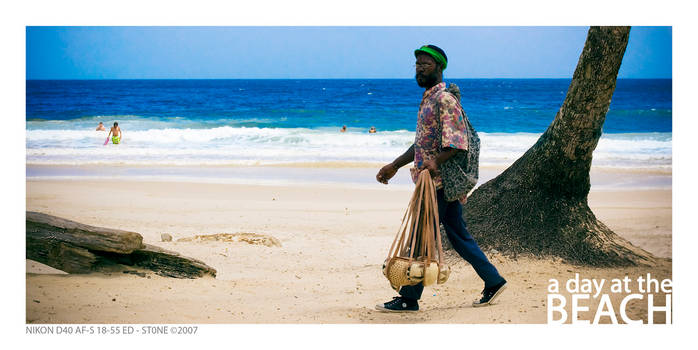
(333, 238)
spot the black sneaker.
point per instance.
(399, 304)
(489, 295)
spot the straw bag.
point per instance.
(416, 254)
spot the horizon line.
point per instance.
(530, 78)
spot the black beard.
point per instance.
(427, 80)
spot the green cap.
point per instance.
(435, 52)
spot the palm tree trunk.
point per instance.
(539, 204)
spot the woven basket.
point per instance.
(418, 242)
(395, 270)
(400, 272)
(444, 272)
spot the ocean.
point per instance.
(199, 123)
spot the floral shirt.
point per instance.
(435, 132)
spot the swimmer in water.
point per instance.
(115, 134)
(372, 130)
(100, 127)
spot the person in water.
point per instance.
(100, 127)
(343, 129)
(372, 130)
(115, 134)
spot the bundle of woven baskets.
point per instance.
(416, 255)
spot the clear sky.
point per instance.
(324, 52)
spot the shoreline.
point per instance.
(349, 175)
(324, 164)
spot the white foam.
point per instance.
(256, 146)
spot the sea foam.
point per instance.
(263, 146)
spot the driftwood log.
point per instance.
(78, 248)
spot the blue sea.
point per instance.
(267, 122)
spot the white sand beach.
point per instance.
(333, 237)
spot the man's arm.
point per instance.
(404, 159)
(389, 170)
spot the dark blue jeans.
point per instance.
(451, 216)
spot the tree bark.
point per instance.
(170, 264)
(78, 248)
(539, 204)
(60, 255)
(48, 227)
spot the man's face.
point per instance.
(426, 71)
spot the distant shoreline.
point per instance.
(350, 175)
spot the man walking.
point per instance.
(440, 135)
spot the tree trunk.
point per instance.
(47, 227)
(539, 204)
(78, 248)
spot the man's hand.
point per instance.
(431, 165)
(386, 173)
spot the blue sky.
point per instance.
(324, 52)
